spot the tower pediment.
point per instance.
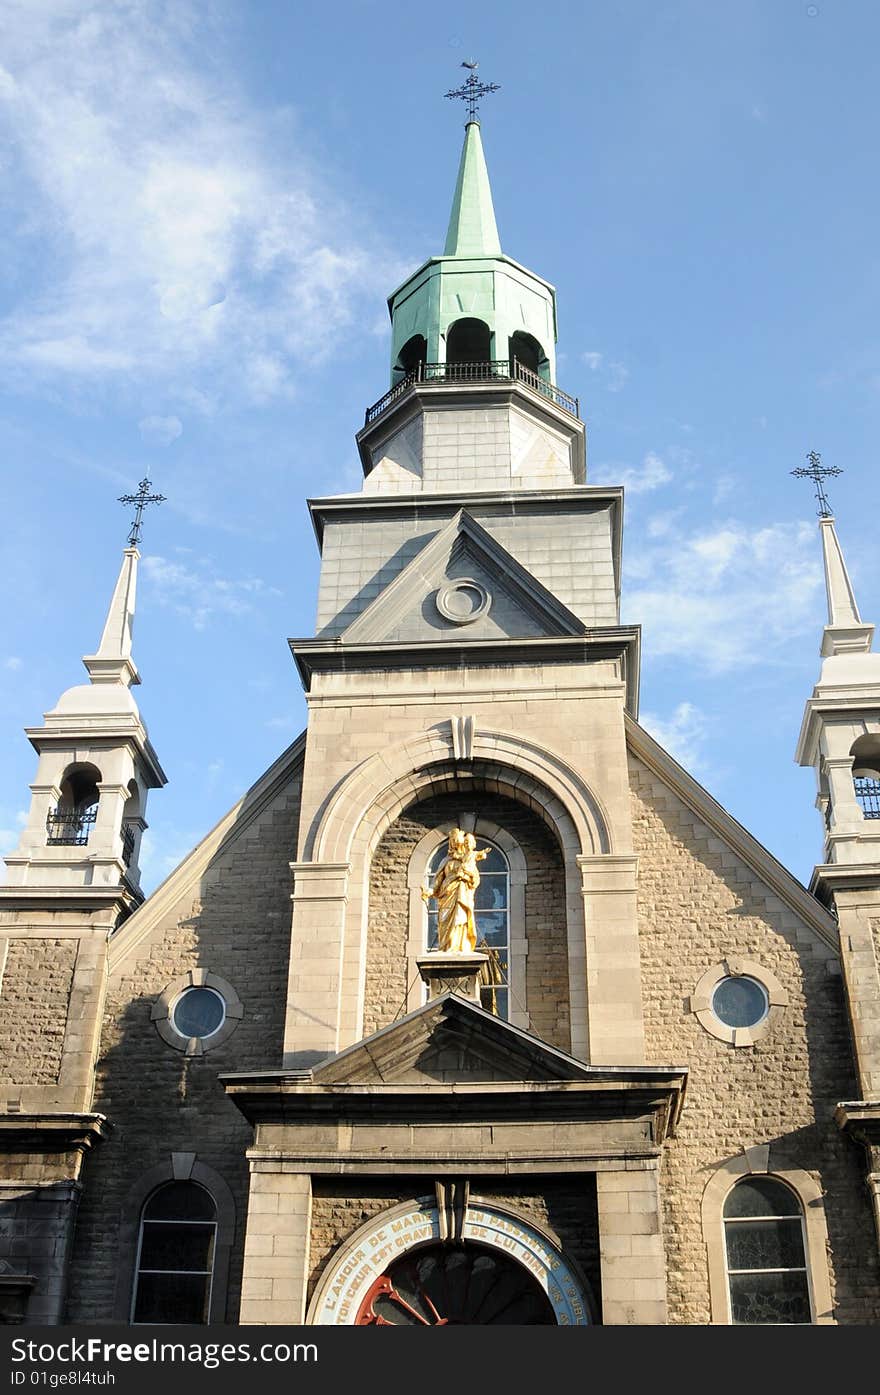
(463, 582)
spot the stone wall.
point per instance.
(235, 922)
(34, 993)
(698, 904)
(547, 964)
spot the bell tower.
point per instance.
(473, 402)
(840, 739)
(96, 766)
(73, 879)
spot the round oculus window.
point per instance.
(740, 1001)
(198, 1012)
(463, 601)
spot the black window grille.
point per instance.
(127, 843)
(868, 795)
(70, 827)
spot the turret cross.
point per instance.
(141, 500)
(472, 90)
(818, 472)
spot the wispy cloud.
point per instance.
(682, 733)
(14, 663)
(726, 597)
(640, 479)
(197, 592)
(160, 430)
(611, 373)
(182, 240)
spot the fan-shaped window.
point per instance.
(766, 1257)
(492, 919)
(175, 1256)
(468, 341)
(456, 1286)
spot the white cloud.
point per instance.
(728, 597)
(161, 430)
(641, 479)
(282, 723)
(198, 593)
(682, 734)
(182, 239)
(13, 663)
(611, 373)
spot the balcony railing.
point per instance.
(868, 796)
(493, 370)
(70, 827)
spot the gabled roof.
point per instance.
(187, 875)
(777, 878)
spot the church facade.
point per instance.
(477, 1008)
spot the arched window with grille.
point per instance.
(175, 1256)
(492, 917)
(766, 1254)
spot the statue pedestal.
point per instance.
(452, 973)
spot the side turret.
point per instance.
(96, 767)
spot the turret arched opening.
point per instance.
(468, 341)
(527, 351)
(866, 775)
(74, 816)
(413, 353)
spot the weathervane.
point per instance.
(817, 473)
(141, 499)
(472, 90)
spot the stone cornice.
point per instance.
(333, 655)
(830, 877)
(56, 1132)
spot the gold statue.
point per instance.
(453, 890)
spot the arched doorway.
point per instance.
(392, 1272)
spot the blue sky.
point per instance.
(204, 206)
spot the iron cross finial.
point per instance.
(818, 472)
(472, 90)
(141, 500)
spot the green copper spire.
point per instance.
(473, 231)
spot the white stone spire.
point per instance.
(113, 662)
(845, 632)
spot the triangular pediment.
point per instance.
(463, 584)
(449, 1040)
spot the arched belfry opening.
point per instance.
(74, 816)
(866, 775)
(468, 341)
(526, 350)
(413, 353)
